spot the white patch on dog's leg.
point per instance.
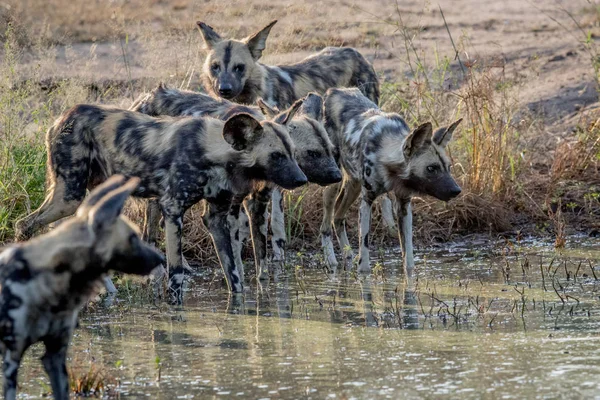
(387, 214)
(278, 240)
(406, 232)
(365, 226)
(347, 252)
(109, 285)
(328, 251)
(329, 196)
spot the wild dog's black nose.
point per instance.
(455, 192)
(297, 180)
(300, 181)
(225, 89)
(336, 176)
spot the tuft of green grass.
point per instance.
(22, 154)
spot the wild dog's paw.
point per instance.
(175, 288)
(278, 253)
(363, 264)
(329, 253)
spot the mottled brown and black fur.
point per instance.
(180, 161)
(313, 151)
(47, 280)
(232, 71)
(380, 154)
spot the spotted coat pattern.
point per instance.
(46, 281)
(313, 151)
(379, 154)
(179, 162)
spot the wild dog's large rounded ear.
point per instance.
(99, 192)
(106, 212)
(313, 106)
(211, 38)
(257, 42)
(286, 116)
(241, 131)
(419, 138)
(266, 109)
(443, 135)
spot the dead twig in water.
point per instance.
(592, 268)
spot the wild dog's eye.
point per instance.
(433, 168)
(239, 68)
(313, 153)
(277, 156)
(215, 67)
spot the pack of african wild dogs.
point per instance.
(259, 129)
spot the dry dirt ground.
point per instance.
(534, 42)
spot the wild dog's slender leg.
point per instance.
(329, 195)
(406, 231)
(234, 220)
(364, 215)
(151, 221)
(109, 285)
(57, 205)
(175, 268)
(257, 208)
(173, 213)
(55, 364)
(12, 361)
(350, 192)
(244, 226)
(215, 219)
(387, 214)
(278, 240)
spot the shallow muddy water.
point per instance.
(482, 320)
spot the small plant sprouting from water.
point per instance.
(158, 366)
(378, 271)
(88, 383)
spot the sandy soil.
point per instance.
(548, 63)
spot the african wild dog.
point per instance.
(313, 151)
(179, 161)
(232, 71)
(47, 280)
(379, 154)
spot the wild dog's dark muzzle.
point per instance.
(153, 257)
(443, 188)
(143, 260)
(289, 176)
(225, 90)
(227, 86)
(325, 177)
(322, 171)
